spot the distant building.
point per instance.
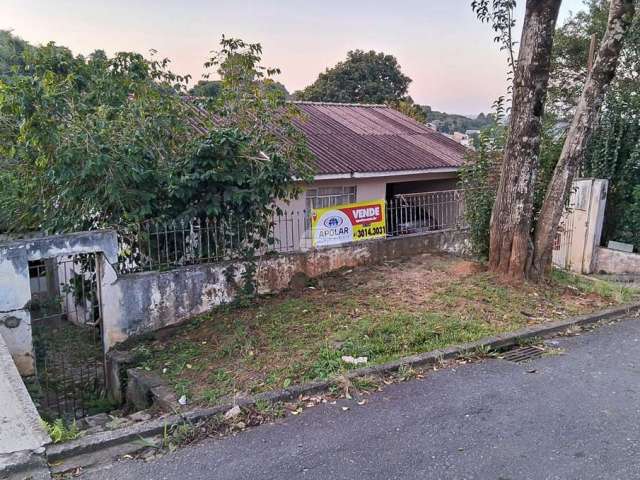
(463, 139)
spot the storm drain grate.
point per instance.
(523, 354)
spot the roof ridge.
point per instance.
(339, 104)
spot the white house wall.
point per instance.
(367, 188)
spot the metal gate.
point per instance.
(66, 314)
(563, 240)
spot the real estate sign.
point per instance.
(352, 222)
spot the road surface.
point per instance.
(574, 415)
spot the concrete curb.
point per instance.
(156, 426)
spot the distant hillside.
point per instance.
(451, 122)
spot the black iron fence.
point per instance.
(157, 246)
(66, 319)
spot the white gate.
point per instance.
(581, 226)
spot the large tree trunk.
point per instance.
(510, 232)
(621, 14)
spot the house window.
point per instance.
(323, 197)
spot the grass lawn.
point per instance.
(381, 312)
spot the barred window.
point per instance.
(324, 197)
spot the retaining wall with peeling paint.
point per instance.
(142, 302)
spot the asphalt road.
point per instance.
(575, 417)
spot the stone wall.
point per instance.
(616, 262)
(137, 303)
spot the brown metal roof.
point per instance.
(349, 138)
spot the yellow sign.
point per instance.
(348, 223)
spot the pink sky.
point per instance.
(450, 56)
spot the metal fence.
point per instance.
(66, 319)
(167, 245)
(425, 212)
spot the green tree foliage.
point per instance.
(253, 155)
(364, 77)
(212, 88)
(410, 109)
(99, 141)
(86, 142)
(206, 88)
(479, 178)
(614, 154)
(570, 55)
(12, 49)
(449, 122)
(614, 148)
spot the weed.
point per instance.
(60, 432)
(366, 384)
(551, 351)
(528, 341)
(220, 377)
(183, 387)
(327, 364)
(611, 291)
(406, 372)
(269, 409)
(211, 395)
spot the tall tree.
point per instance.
(364, 77)
(109, 141)
(510, 232)
(12, 49)
(514, 254)
(614, 148)
(621, 14)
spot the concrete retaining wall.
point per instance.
(20, 427)
(137, 303)
(616, 262)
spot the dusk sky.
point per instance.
(454, 64)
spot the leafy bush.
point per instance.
(479, 178)
(101, 142)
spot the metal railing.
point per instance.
(163, 246)
(178, 243)
(425, 212)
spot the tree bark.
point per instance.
(510, 231)
(621, 14)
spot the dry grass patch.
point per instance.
(381, 312)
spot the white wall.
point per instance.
(367, 188)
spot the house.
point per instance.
(370, 152)
(373, 153)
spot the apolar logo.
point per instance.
(333, 222)
(333, 228)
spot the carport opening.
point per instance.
(423, 206)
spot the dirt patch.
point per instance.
(465, 269)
